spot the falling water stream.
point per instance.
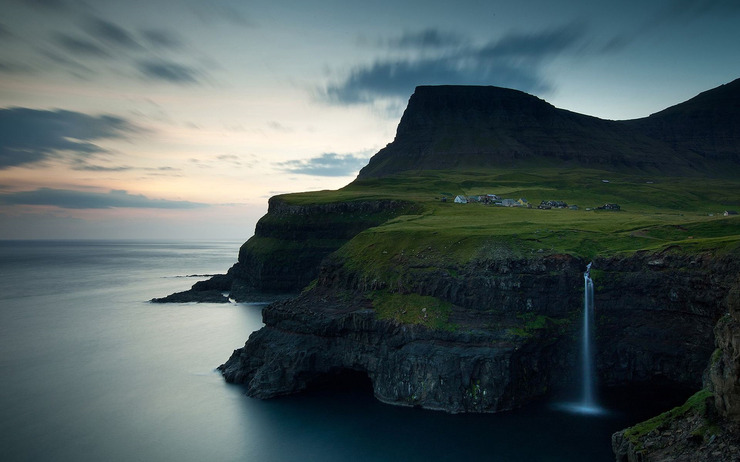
(587, 357)
(587, 403)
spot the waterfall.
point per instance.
(586, 404)
(587, 357)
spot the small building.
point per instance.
(461, 200)
(614, 207)
(552, 205)
(509, 203)
(729, 212)
(573, 207)
(523, 202)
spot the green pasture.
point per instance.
(656, 212)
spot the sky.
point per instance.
(178, 119)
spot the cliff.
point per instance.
(288, 245)
(505, 337)
(707, 426)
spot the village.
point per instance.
(494, 200)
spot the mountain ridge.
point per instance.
(469, 127)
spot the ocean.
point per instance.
(91, 371)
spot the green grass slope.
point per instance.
(656, 212)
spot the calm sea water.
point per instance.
(90, 371)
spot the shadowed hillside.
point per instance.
(468, 127)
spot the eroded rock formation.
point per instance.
(510, 333)
(707, 427)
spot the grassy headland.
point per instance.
(656, 212)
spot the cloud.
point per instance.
(675, 14)
(108, 32)
(327, 164)
(70, 64)
(9, 67)
(514, 60)
(535, 46)
(50, 4)
(160, 38)
(690, 10)
(72, 199)
(85, 167)
(29, 135)
(81, 47)
(158, 69)
(427, 38)
(151, 52)
(4, 32)
(397, 79)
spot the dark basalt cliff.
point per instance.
(511, 340)
(288, 245)
(707, 426)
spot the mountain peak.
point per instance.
(474, 127)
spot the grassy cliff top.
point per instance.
(656, 212)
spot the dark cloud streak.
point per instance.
(28, 135)
(48, 4)
(534, 46)
(514, 60)
(162, 39)
(327, 164)
(148, 51)
(427, 38)
(81, 47)
(691, 10)
(158, 69)
(72, 199)
(108, 32)
(5, 32)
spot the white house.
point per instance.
(461, 200)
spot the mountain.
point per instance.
(707, 125)
(472, 127)
(477, 307)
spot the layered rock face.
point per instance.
(495, 356)
(288, 245)
(661, 309)
(707, 426)
(486, 360)
(409, 365)
(724, 373)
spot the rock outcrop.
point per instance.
(724, 373)
(288, 245)
(318, 336)
(508, 338)
(707, 426)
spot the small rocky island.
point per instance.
(475, 308)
